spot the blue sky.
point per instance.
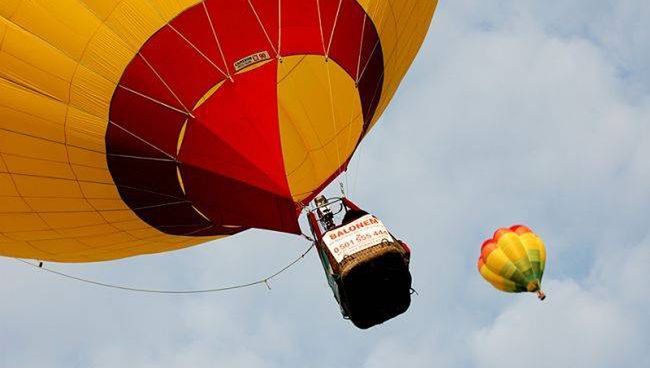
(514, 112)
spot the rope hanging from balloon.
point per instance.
(264, 281)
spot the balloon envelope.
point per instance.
(142, 126)
(513, 260)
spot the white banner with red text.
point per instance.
(356, 236)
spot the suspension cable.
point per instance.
(264, 281)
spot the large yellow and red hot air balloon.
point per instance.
(513, 260)
(130, 127)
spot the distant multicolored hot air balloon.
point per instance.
(513, 260)
(130, 127)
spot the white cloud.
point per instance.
(601, 325)
(573, 328)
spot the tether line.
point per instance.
(264, 281)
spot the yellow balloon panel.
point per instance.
(402, 26)
(321, 94)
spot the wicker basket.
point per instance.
(374, 284)
(367, 255)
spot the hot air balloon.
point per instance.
(130, 127)
(513, 260)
